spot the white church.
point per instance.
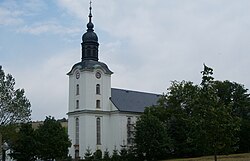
(100, 117)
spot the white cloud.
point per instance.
(13, 12)
(8, 17)
(46, 84)
(146, 43)
(48, 27)
(75, 8)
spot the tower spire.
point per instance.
(90, 25)
(90, 40)
(90, 8)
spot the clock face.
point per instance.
(77, 74)
(98, 75)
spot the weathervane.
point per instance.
(90, 2)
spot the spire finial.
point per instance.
(90, 2)
(90, 25)
(90, 8)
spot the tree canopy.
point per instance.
(53, 141)
(14, 106)
(50, 141)
(151, 139)
(210, 118)
(25, 147)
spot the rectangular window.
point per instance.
(77, 104)
(98, 104)
(98, 131)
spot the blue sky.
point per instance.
(146, 43)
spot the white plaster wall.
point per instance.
(113, 124)
(87, 95)
(87, 101)
(88, 88)
(113, 131)
(71, 89)
(71, 133)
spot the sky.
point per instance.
(146, 43)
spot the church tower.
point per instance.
(89, 96)
(100, 117)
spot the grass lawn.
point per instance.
(233, 157)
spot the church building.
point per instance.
(100, 117)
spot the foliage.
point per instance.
(124, 153)
(14, 106)
(216, 127)
(98, 154)
(88, 154)
(48, 142)
(106, 156)
(115, 155)
(24, 148)
(151, 139)
(9, 133)
(180, 99)
(204, 119)
(244, 142)
(235, 95)
(53, 141)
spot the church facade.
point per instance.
(100, 117)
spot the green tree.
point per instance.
(215, 127)
(24, 148)
(98, 154)
(204, 119)
(151, 139)
(123, 153)
(235, 95)
(106, 156)
(53, 141)
(115, 155)
(179, 101)
(88, 154)
(14, 106)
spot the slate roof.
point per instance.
(132, 101)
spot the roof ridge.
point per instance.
(129, 90)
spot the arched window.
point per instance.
(129, 131)
(98, 131)
(98, 91)
(77, 89)
(88, 52)
(77, 132)
(94, 53)
(98, 104)
(77, 104)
